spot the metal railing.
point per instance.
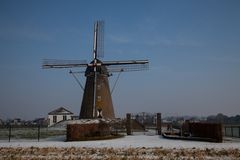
(36, 132)
(231, 130)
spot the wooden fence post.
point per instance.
(159, 124)
(225, 131)
(9, 133)
(38, 132)
(128, 124)
(238, 131)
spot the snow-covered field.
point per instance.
(128, 147)
(127, 141)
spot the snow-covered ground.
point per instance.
(133, 141)
(137, 146)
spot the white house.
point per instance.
(58, 115)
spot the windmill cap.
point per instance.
(100, 68)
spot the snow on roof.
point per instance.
(60, 111)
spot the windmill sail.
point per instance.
(126, 66)
(98, 48)
(100, 39)
(54, 63)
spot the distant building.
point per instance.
(75, 117)
(1, 122)
(17, 122)
(40, 121)
(58, 115)
(146, 119)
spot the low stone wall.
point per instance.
(206, 130)
(88, 131)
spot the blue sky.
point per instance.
(193, 48)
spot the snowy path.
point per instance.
(125, 142)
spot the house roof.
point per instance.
(60, 111)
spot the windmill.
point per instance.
(97, 100)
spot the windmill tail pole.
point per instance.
(74, 76)
(116, 82)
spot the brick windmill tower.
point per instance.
(97, 100)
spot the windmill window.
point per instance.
(98, 86)
(99, 98)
